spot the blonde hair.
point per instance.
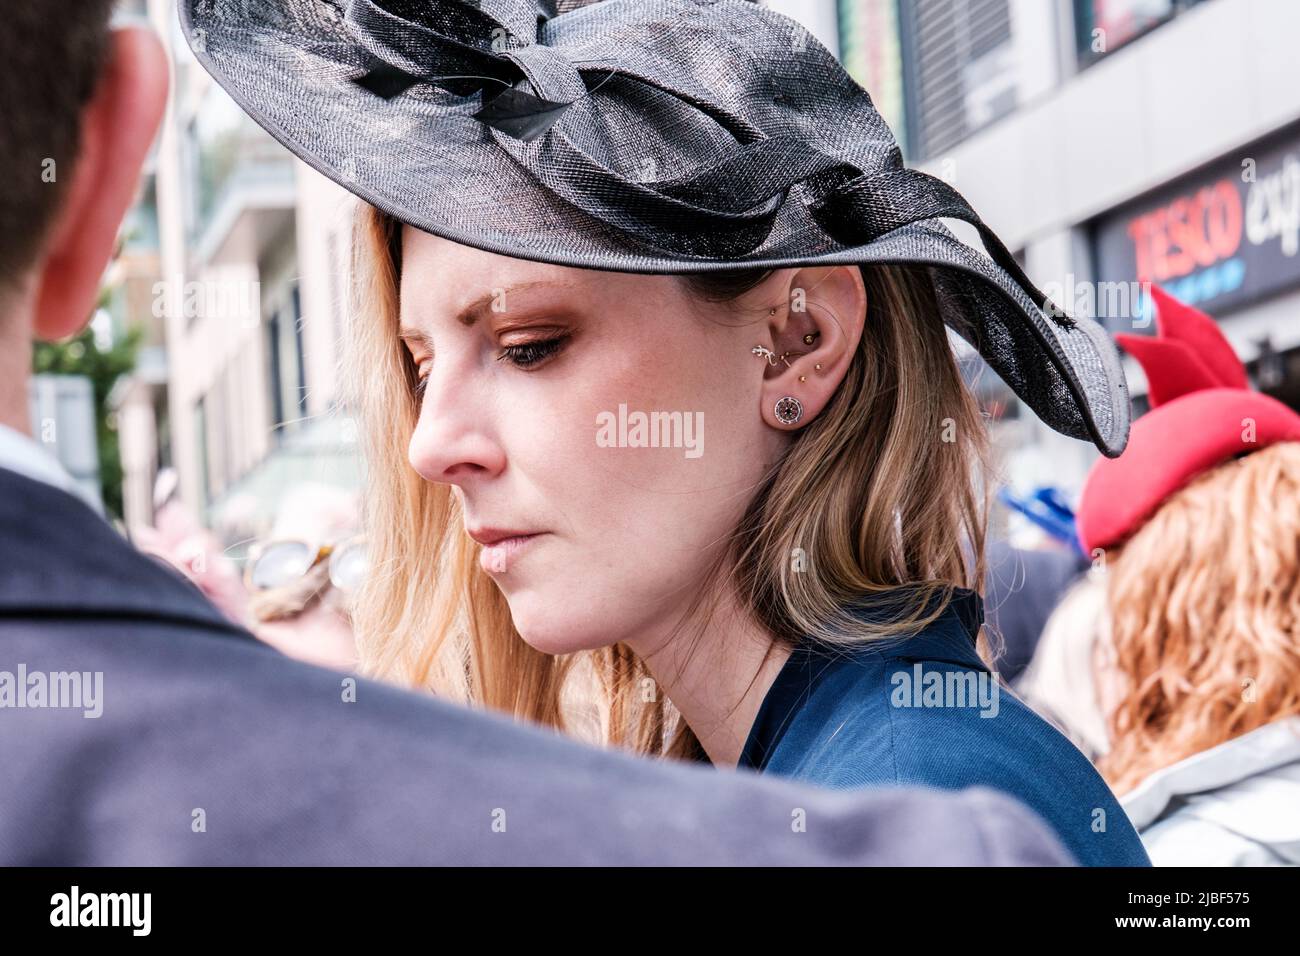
(894, 466)
(1204, 603)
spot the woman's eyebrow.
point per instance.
(416, 336)
(470, 313)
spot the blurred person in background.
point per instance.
(301, 579)
(177, 538)
(1023, 587)
(1199, 676)
(296, 589)
(1026, 581)
(1063, 679)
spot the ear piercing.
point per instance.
(788, 410)
(773, 358)
(808, 339)
(768, 354)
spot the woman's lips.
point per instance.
(497, 557)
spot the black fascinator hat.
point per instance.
(663, 136)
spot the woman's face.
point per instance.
(544, 390)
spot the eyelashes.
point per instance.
(525, 356)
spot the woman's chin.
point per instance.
(555, 632)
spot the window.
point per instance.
(1103, 26)
(287, 385)
(871, 52)
(959, 70)
(201, 444)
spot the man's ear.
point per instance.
(117, 127)
(817, 330)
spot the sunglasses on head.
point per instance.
(282, 561)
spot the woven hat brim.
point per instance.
(423, 159)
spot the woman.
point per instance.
(1198, 526)
(662, 415)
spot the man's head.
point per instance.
(79, 106)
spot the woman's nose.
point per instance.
(452, 442)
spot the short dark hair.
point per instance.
(51, 55)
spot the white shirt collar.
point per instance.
(21, 453)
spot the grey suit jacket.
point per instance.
(211, 748)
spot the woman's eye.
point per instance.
(528, 354)
(421, 378)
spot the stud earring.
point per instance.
(818, 366)
(808, 339)
(788, 410)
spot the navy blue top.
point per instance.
(922, 710)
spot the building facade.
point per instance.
(247, 294)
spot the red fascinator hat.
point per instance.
(1203, 413)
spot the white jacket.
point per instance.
(1237, 804)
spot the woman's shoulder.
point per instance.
(903, 708)
(927, 711)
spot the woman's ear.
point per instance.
(815, 333)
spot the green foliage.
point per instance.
(81, 356)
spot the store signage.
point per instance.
(1216, 239)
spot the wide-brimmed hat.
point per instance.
(649, 136)
(1203, 414)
